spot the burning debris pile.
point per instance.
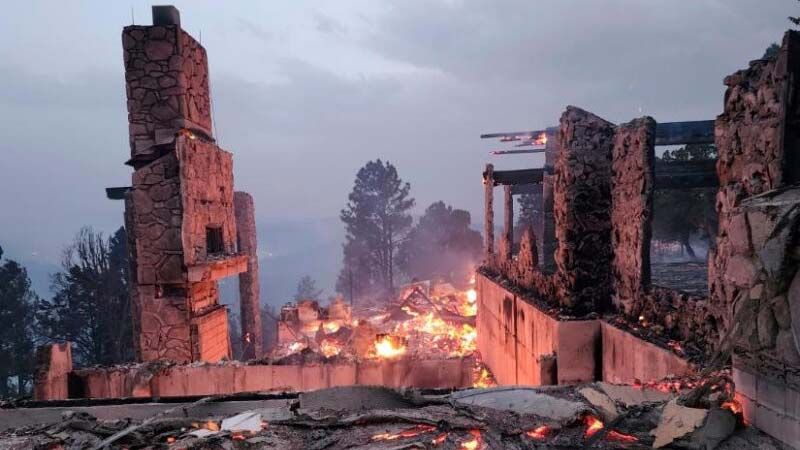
(423, 323)
(597, 415)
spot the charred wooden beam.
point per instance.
(667, 133)
(117, 193)
(514, 177)
(516, 152)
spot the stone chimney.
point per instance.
(166, 77)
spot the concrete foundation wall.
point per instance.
(628, 359)
(524, 345)
(212, 379)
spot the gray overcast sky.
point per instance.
(306, 91)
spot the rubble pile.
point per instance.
(424, 322)
(597, 415)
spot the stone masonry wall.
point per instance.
(633, 173)
(157, 220)
(206, 173)
(754, 157)
(764, 266)
(166, 74)
(582, 206)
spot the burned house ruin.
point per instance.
(575, 301)
(596, 314)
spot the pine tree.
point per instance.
(91, 305)
(307, 289)
(376, 220)
(17, 301)
(442, 245)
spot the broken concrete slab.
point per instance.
(249, 421)
(676, 422)
(632, 395)
(604, 404)
(523, 401)
(353, 398)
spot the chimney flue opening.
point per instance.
(166, 15)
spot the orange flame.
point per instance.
(474, 443)
(734, 406)
(388, 346)
(539, 433)
(484, 379)
(541, 139)
(593, 425)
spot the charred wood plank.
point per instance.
(117, 193)
(667, 133)
(515, 177)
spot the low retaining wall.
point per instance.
(524, 345)
(627, 358)
(231, 378)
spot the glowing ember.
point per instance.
(388, 346)
(438, 440)
(474, 442)
(211, 426)
(734, 406)
(593, 425)
(331, 327)
(405, 434)
(621, 437)
(238, 436)
(170, 440)
(539, 433)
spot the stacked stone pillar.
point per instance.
(507, 245)
(249, 288)
(488, 213)
(582, 206)
(633, 174)
(547, 241)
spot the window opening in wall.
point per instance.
(170, 290)
(214, 242)
(684, 226)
